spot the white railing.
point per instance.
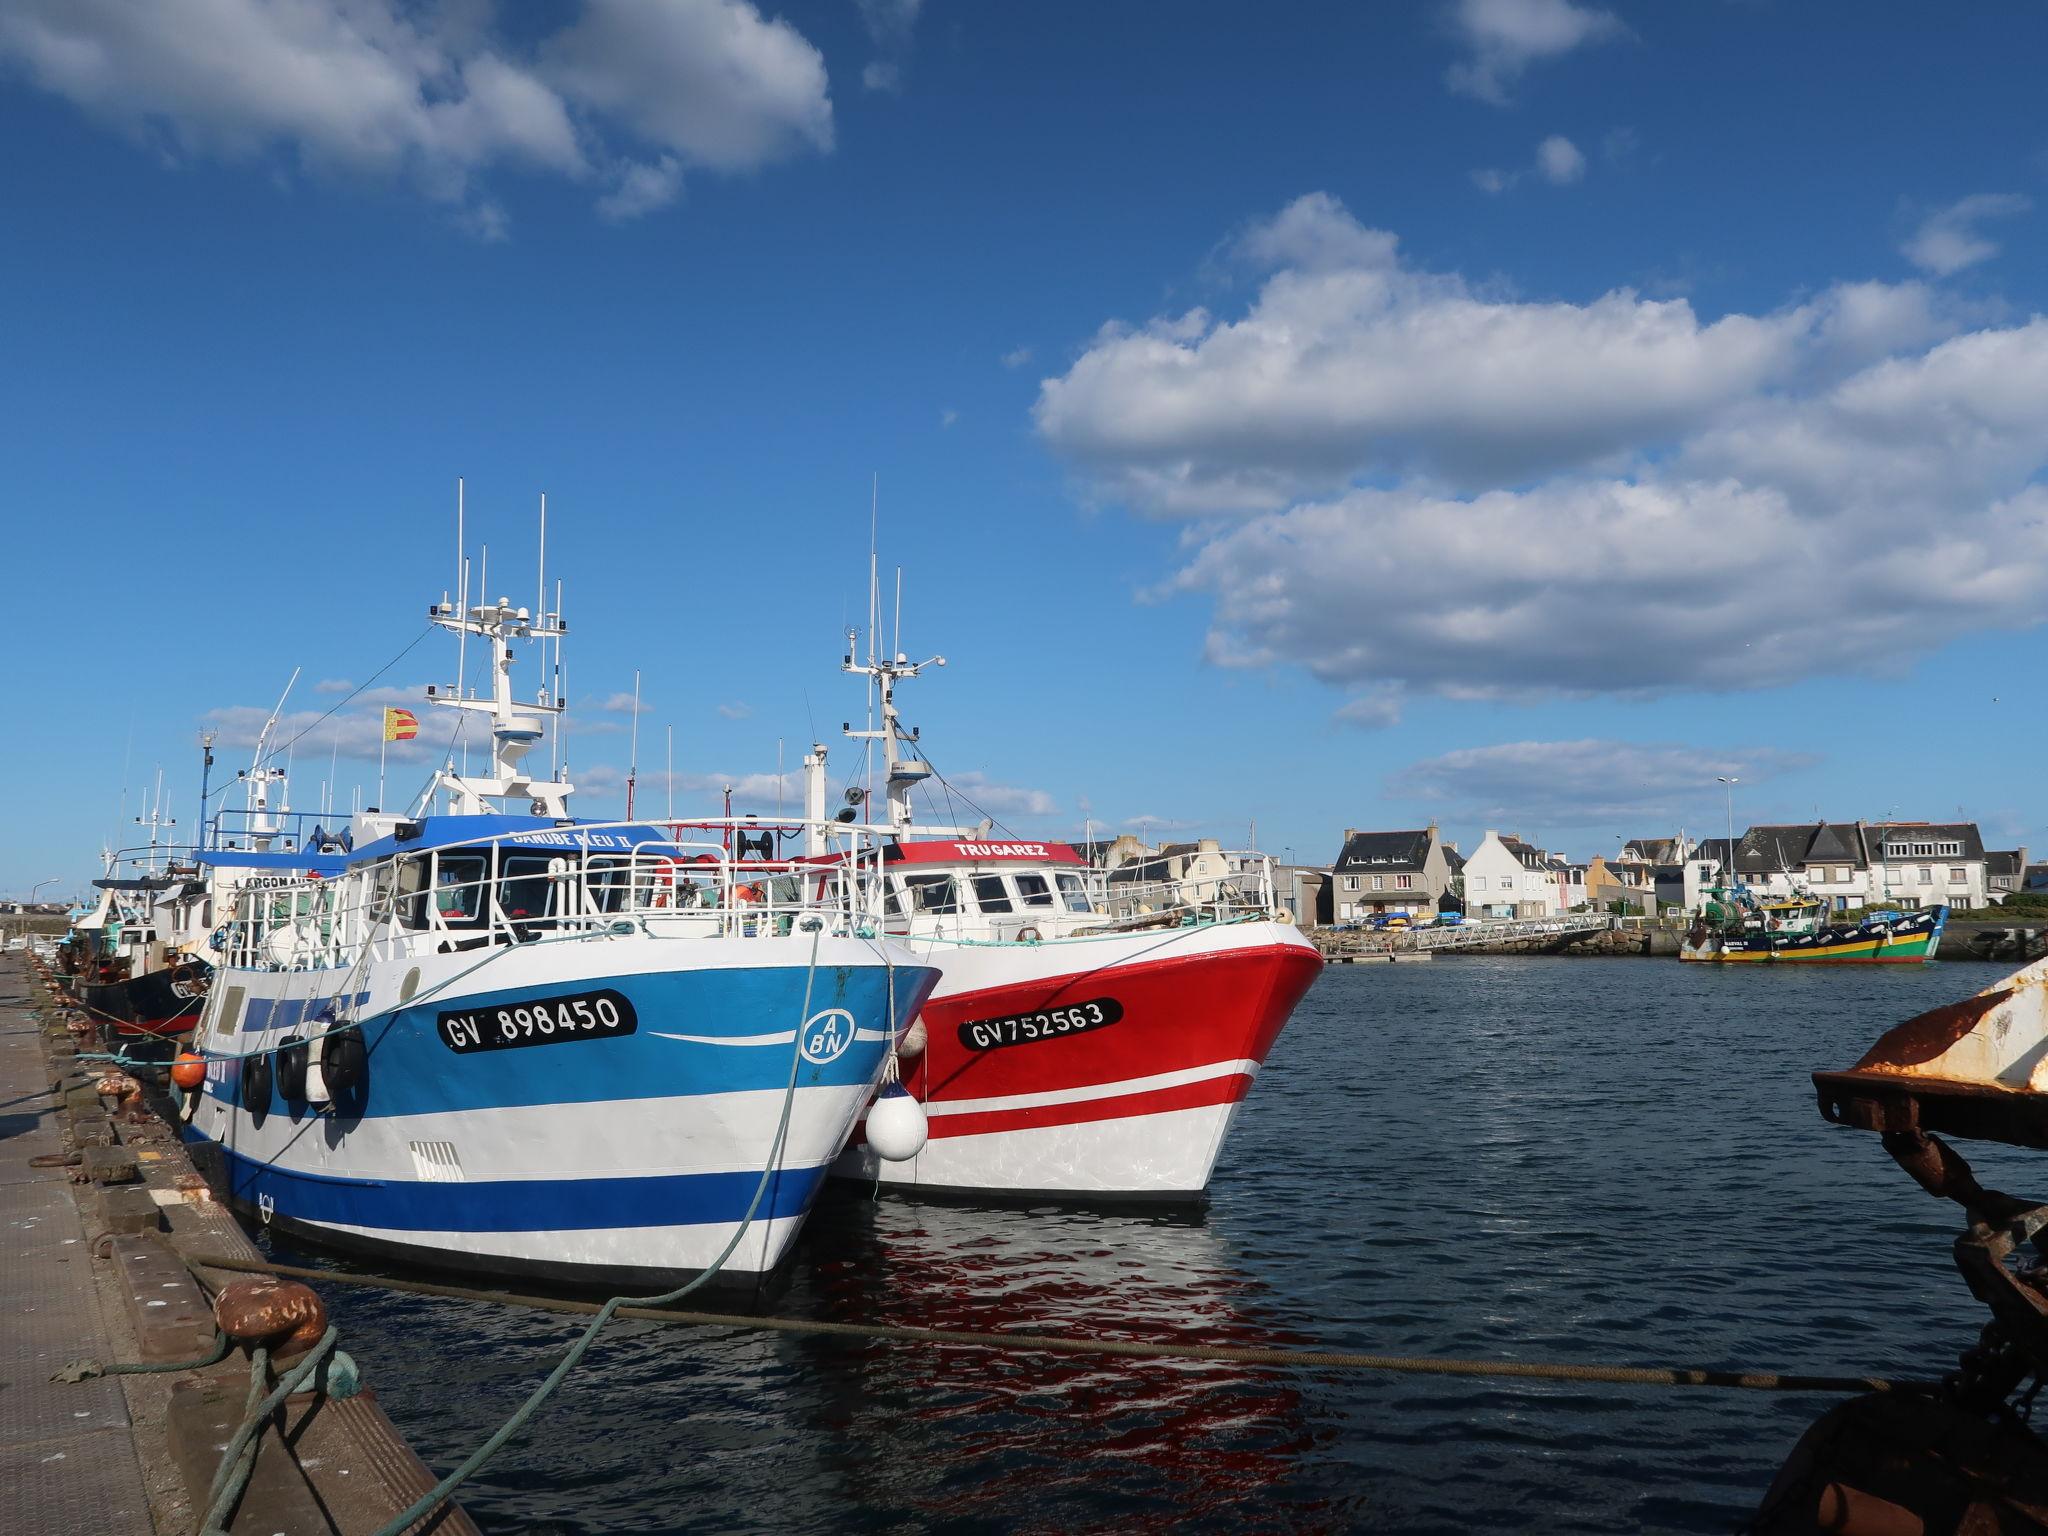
(515, 888)
(1243, 889)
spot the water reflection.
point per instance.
(980, 1434)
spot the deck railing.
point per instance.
(515, 888)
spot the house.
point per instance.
(2005, 873)
(1657, 851)
(1390, 872)
(1628, 881)
(1506, 877)
(1857, 864)
(1303, 891)
(1929, 863)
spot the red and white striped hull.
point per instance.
(1026, 1093)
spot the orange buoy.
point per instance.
(188, 1071)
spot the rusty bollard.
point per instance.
(283, 1314)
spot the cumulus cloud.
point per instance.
(1559, 162)
(890, 26)
(623, 703)
(1948, 239)
(995, 799)
(1504, 37)
(333, 685)
(642, 187)
(378, 88)
(1435, 488)
(736, 711)
(1351, 361)
(1375, 709)
(1530, 783)
(1016, 357)
(355, 732)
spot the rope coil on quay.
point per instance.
(1145, 1349)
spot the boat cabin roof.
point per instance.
(541, 832)
(1006, 851)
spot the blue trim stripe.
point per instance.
(518, 1205)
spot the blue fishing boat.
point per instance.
(510, 1040)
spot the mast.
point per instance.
(633, 752)
(515, 728)
(903, 764)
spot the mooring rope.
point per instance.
(1144, 1349)
(438, 1494)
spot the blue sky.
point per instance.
(1512, 412)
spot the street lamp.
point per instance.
(1728, 875)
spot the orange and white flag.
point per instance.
(400, 725)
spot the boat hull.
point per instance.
(1103, 1069)
(1912, 941)
(160, 1004)
(597, 1154)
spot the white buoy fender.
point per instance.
(896, 1124)
(912, 1045)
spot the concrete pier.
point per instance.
(95, 1265)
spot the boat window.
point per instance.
(524, 889)
(891, 905)
(408, 907)
(1075, 892)
(1034, 891)
(608, 883)
(459, 888)
(990, 894)
(933, 893)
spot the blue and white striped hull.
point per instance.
(627, 1157)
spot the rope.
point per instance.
(436, 1495)
(85, 1370)
(1143, 1349)
(239, 1457)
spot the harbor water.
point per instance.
(1614, 1161)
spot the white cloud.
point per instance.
(643, 186)
(1016, 357)
(736, 711)
(1947, 240)
(996, 799)
(355, 732)
(1529, 783)
(1375, 709)
(948, 416)
(333, 685)
(623, 703)
(1559, 162)
(713, 81)
(1352, 362)
(1504, 37)
(374, 87)
(1448, 490)
(890, 25)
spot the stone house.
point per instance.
(1378, 872)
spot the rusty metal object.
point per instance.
(1895, 1464)
(1977, 1068)
(116, 1085)
(284, 1314)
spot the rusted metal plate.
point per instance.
(1976, 1069)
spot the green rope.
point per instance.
(438, 1494)
(239, 1458)
(86, 1370)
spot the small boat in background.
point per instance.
(1794, 930)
